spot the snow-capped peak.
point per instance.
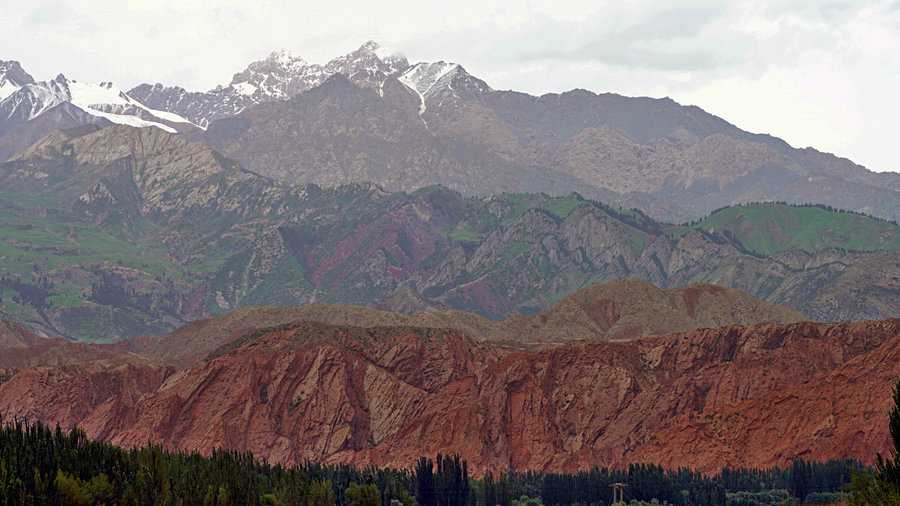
(12, 77)
(279, 76)
(103, 100)
(284, 58)
(424, 76)
(282, 75)
(439, 79)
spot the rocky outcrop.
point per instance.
(630, 308)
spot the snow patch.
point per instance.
(89, 96)
(7, 89)
(244, 88)
(426, 79)
(166, 115)
(125, 119)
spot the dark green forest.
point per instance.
(43, 465)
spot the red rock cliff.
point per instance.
(749, 396)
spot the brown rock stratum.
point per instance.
(751, 396)
(621, 309)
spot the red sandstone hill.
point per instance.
(750, 396)
(63, 382)
(840, 413)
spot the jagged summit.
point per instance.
(282, 75)
(285, 58)
(279, 76)
(371, 58)
(376, 48)
(12, 77)
(441, 79)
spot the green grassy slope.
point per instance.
(770, 228)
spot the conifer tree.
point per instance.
(889, 470)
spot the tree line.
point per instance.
(44, 465)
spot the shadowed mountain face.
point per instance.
(737, 396)
(116, 232)
(436, 124)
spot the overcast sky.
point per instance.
(824, 74)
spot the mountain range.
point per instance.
(113, 232)
(277, 77)
(371, 116)
(674, 162)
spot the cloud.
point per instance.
(50, 14)
(674, 22)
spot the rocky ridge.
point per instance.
(277, 77)
(15, 335)
(12, 77)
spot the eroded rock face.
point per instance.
(68, 383)
(752, 396)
